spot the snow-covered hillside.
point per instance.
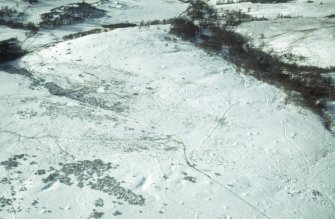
(135, 123)
(306, 41)
(143, 127)
(116, 12)
(298, 32)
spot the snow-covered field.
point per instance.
(133, 123)
(143, 127)
(306, 37)
(116, 12)
(306, 41)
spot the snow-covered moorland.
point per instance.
(297, 31)
(134, 123)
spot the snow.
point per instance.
(6, 33)
(310, 40)
(182, 129)
(127, 123)
(296, 8)
(116, 12)
(305, 37)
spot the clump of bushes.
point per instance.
(222, 2)
(235, 18)
(154, 22)
(30, 1)
(19, 25)
(7, 12)
(330, 16)
(269, 1)
(119, 25)
(82, 34)
(106, 27)
(70, 14)
(184, 28)
(10, 17)
(10, 49)
(199, 10)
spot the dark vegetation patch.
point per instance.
(9, 202)
(232, 18)
(13, 70)
(269, 1)
(19, 25)
(82, 34)
(305, 85)
(5, 202)
(99, 203)
(13, 162)
(331, 16)
(119, 25)
(35, 82)
(7, 13)
(92, 174)
(200, 10)
(117, 213)
(184, 28)
(96, 214)
(106, 27)
(223, 2)
(83, 96)
(70, 14)
(10, 17)
(154, 22)
(30, 1)
(40, 172)
(10, 49)
(190, 178)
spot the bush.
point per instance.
(10, 49)
(222, 2)
(31, 26)
(184, 28)
(82, 34)
(119, 25)
(270, 1)
(7, 12)
(199, 10)
(70, 14)
(30, 1)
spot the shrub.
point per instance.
(119, 25)
(70, 14)
(184, 28)
(7, 12)
(270, 1)
(30, 1)
(10, 49)
(199, 10)
(82, 34)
